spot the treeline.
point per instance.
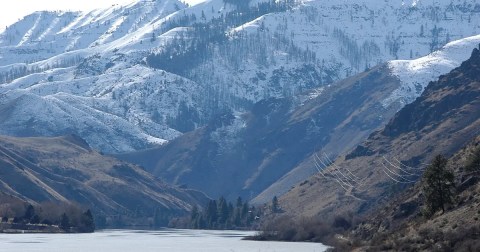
(221, 214)
(69, 218)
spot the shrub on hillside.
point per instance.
(473, 162)
(313, 229)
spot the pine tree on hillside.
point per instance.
(438, 184)
(275, 207)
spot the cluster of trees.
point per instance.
(261, 47)
(70, 218)
(357, 54)
(186, 120)
(435, 44)
(221, 214)
(187, 50)
(194, 52)
(200, 42)
(22, 70)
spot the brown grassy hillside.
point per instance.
(443, 120)
(65, 169)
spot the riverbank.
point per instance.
(17, 228)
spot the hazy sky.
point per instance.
(13, 10)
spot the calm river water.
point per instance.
(146, 241)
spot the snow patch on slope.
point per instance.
(416, 74)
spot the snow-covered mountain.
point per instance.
(129, 77)
(442, 121)
(414, 76)
(264, 152)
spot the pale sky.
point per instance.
(13, 10)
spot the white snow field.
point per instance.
(84, 72)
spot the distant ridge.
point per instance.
(66, 170)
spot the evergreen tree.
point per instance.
(231, 210)
(29, 213)
(211, 215)
(200, 222)
(194, 215)
(245, 208)
(222, 210)
(275, 207)
(87, 224)
(65, 222)
(239, 202)
(153, 37)
(437, 186)
(237, 219)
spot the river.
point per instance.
(149, 241)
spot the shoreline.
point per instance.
(16, 228)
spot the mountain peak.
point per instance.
(149, 71)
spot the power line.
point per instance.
(407, 181)
(336, 166)
(337, 169)
(409, 167)
(325, 166)
(399, 168)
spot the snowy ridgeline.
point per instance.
(416, 74)
(90, 73)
